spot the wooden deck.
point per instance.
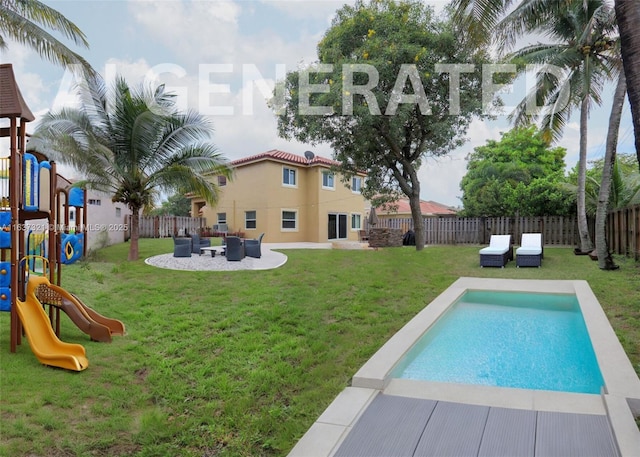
(406, 427)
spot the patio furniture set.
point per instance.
(234, 248)
(500, 251)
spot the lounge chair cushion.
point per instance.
(493, 250)
(528, 250)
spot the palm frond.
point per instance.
(29, 33)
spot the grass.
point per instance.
(241, 363)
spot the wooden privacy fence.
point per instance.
(556, 230)
(165, 226)
(623, 231)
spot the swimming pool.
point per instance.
(507, 339)
(619, 379)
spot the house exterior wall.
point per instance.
(258, 186)
(105, 220)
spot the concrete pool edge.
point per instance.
(620, 400)
(619, 376)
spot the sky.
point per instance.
(222, 57)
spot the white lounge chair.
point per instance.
(498, 253)
(530, 252)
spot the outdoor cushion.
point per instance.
(494, 250)
(498, 244)
(528, 250)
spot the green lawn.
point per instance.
(241, 363)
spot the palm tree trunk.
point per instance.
(628, 17)
(605, 261)
(583, 228)
(418, 223)
(134, 252)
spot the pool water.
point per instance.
(508, 339)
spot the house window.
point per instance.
(118, 212)
(222, 181)
(356, 221)
(222, 218)
(289, 220)
(288, 176)
(249, 220)
(356, 184)
(93, 201)
(327, 180)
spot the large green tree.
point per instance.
(175, 205)
(394, 85)
(28, 22)
(132, 145)
(520, 174)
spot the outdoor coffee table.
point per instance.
(213, 249)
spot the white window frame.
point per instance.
(295, 176)
(255, 220)
(357, 216)
(221, 220)
(328, 174)
(356, 189)
(282, 220)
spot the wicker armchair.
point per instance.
(234, 248)
(197, 243)
(181, 247)
(252, 247)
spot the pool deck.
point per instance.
(382, 416)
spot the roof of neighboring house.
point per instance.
(426, 208)
(287, 157)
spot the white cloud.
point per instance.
(191, 30)
(440, 177)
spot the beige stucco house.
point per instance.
(288, 197)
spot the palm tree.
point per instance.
(628, 16)
(23, 20)
(132, 145)
(481, 18)
(610, 174)
(583, 37)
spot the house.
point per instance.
(107, 222)
(401, 209)
(289, 197)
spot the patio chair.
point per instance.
(197, 243)
(530, 252)
(498, 253)
(181, 246)
(235, 248)
(252, 247)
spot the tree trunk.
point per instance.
(605, 261)
(135, 234)
(583, 228)
(628, 18)
(418, 223)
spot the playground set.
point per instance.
(36, 239)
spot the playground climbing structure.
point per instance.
(35, 207)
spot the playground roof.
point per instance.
(12, 104)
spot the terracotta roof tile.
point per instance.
(426, 208)
(276, 154)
